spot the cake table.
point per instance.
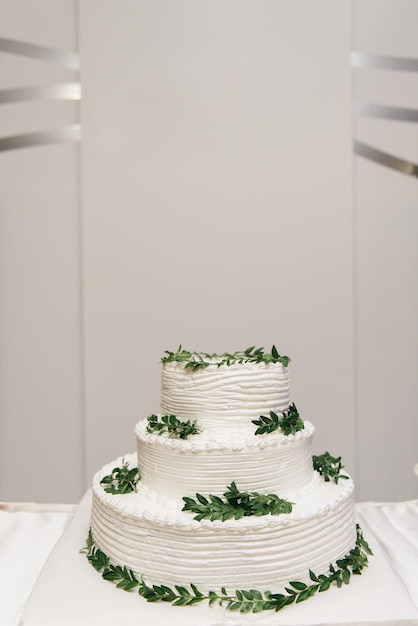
(70, 593)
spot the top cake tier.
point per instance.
(224, 396)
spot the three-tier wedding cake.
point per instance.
(223, 500)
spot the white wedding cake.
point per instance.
(223, 500)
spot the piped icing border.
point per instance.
(217, 439)
(133, 505)
(253, 552)
(207, 462)
(242, 600)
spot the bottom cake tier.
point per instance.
(158, 541)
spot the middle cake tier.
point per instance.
(208, 462)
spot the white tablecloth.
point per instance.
(28, 532)
(69, 592)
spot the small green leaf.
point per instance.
(298, 585)
(324, 585)
(246, 607)
(247, 594)
(304, 595)
(201, 499)
(182, 590)
(195, 600)
(313, 576)
(127, 585)
(196, 591)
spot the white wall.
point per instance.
(216, 195)
(216, 209)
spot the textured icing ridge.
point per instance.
(244, 601)
(148, 532)
(252, 552)
(227, 396)
(208, 462)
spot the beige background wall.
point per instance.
(211, 202)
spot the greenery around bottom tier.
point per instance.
(242, 600)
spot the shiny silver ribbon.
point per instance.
(57, 91)
(40, 138)
(66, 58)
(381, 62)
(385, 112)
(384, 158)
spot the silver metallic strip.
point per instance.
(406, 167)
(65, 58)
(58, 91)
(41, 138)
(390, 113)
(380, 62)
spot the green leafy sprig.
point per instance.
(200, 360)
(242, 600)
(172, 426)
(289, 423)
(329, 467)
(237, 504)
(121, 480)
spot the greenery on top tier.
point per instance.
(242, 600)
(237, 504)
(199, 360)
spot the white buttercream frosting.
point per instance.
(209, 462)
(148, 532)
(226, 396)
(167, 546)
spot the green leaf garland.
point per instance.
(237, 504)
(242, 600)
(200, 360)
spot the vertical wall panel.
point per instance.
(217, 201)
(41, 445)
(386, 216)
